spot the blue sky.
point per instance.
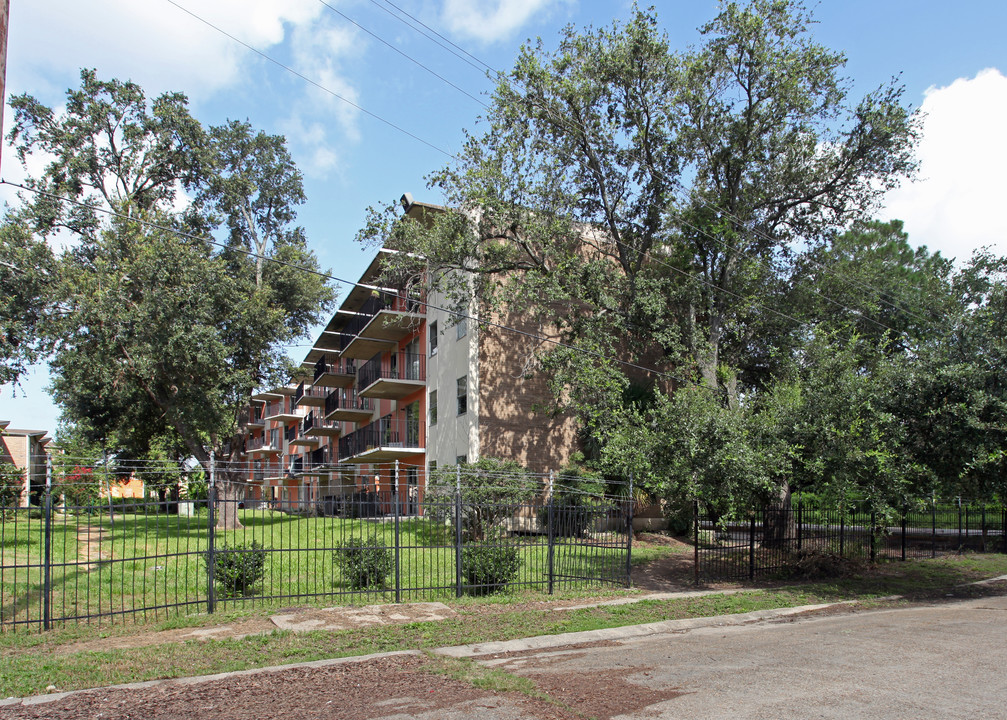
(950, 56)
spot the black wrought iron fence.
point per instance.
(106, 561)
(769, 540)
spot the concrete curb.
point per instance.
(622, 633)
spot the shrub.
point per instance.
(11, 482)
(487, 568)
(236, 570)
(364, 566)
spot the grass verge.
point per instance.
(29, 663)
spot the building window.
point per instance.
(461, 459)
(463, 394)
(432, 402)
(432, 340)
(462, 327)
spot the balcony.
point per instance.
(392, 376)
(347, 406)
(255, 416)
(393, 437)
(314, 426)
(339, 374)
(260, 445)
(278, 411)
(381, 322)
(310, 396)
(273, 471)
(313, 463)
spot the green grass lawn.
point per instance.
(147, 567)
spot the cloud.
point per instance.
(155, 44)
(490, 20)
(956, 206)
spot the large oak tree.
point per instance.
(161, 333)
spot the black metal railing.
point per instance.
(347, 399)
(392, 366)
(112, 561)
(341, 366)
(290, 433)
(391, 431)
(773, 539)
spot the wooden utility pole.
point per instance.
(4, 14)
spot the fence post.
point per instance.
(905, 512)
(629, 535)
(398, 560)
(551, 532)
(800, 520)
(751, 547)
(695, 544)
(211, 558)
(933, 527)
(47, 560)
(871, 536)
(108, 486)
(982, 526)
(1003, 529)
(959, 524)
(458, 533)
(842, 531)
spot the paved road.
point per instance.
(944, 661)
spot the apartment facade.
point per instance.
(27, 450)
(393, 387)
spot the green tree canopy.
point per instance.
(161, 333)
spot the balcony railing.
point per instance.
(272, 408)
(341, 366)
(258, 443)
(266, 470)
(290, 433)
(255, 414)
(347, 399)
(371, 307)
(310, 462)
(310, 395)
(393, 366)
(391, 433)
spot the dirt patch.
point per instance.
(663, 540)
(401, 686)
(89, 541)
(294, 620)
(602, 694)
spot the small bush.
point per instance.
(487, 568)
(236, 570)
(364, 566)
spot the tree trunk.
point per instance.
(780, 526)
(229, 494)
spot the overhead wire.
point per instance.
(577, 125)
(482, 322)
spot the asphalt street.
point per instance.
(941, 661)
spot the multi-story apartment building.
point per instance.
(27, 450)
(393, 387)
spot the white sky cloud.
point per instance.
(957, 204)
(150, 42)
(490, 20)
